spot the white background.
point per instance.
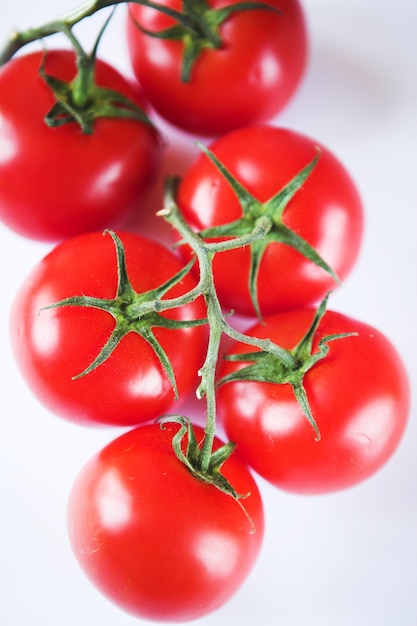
(348, 559)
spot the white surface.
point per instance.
(343, 560)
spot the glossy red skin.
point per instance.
(249, 80)
(359, 396)
(154, 539)
(327, 212)
(52, 346)
(59, 182)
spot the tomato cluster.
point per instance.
(114, 328)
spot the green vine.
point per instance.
(270, 358)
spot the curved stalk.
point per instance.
(18, 39)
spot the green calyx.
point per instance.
(82, 100)
(273, 209)
(198, 27)
(267, 368)
(192, 459)
(132, 312)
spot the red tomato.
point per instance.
(247, 80)
(59, 182)
(326, 212)
(358, 394)
(154, 539)
(54, 345)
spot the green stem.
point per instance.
(19, 39)
(85, 71)
(217, 322)
(205, 252)
(67, 21)
(208, 382)
(266, 345)
(207, 289)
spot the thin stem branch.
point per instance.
(58, 25)
(263, 344)
(208, 381)
(18, 39)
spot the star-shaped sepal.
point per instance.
(267, 367)
(133, 312)
(273, 209)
